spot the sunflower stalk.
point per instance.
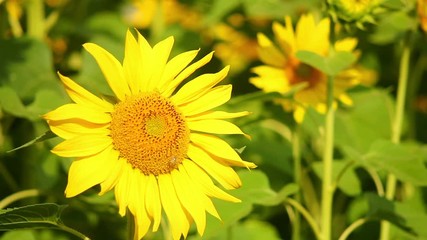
(397, 127)
(35, 19)
(296, 153)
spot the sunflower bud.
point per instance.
(355, 12)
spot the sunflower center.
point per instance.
(301, 72)
(150, 133)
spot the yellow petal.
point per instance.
(268, 52)
(218, 115)
(111, 68)
(199, 86)
(132, 63)
(174, 67)
(225, 175)
(299, 114)
(82, 146)
(146, 53)
(185, 73)
(285, 36)
(75, 127)
(122, 189)
(346, 44)
(161, 52)
(153, 204)
(189, 199)
(214, 126)
(199, 177)
(142, 217)
(114, 176)
(214, 98)
(78, 111)
(81, 96)
(178, 221)
(87, 172)
(218, 147)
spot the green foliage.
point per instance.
(332, 64)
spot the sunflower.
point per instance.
(283, 71)
(156, 144)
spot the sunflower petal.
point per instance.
(131, 63)
(198, 86)
(268, 53)
(77, 111)
(114, 176)
(82, 146)
(161, 51)
(178, 221)
(81, 96)
(203, 180)
(111, 68)
(185, 73)
(147, 64)
(214, 98)
(175, 66)
(142, 219)
(189, 199)
(87, 172)
(225, 175)
(67, 129)
(122, 189)
(152, 201)
(218, 147)
(214, 126)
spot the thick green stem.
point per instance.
(327, 187)
(397, 129)
(35, 19)
(296, 151)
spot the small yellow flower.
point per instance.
(356, 11)
(282, 71)
(156, 144)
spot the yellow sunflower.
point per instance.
(154, 145)
(283, 71)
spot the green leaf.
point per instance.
(19, 234)
(383, 209)
(392, 27)
(254, 230)
(331, 65)
(12, 104)
(349, 183)
(405, 162)
(220, 9)
(45, 136)
(368, 120)
(26, 66)
(46, 215)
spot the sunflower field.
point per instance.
(213, 119)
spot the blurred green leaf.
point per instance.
(368, 120)
(383, 209)
(349, 183)
(254, 230)
(256, 189)
(19, 234)
(406, 163)
(26, 66)
(10, 103)
(46, 215)
(331, 65)
(219, 9)
(392, 26)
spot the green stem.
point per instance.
(8, 177)
(397, 129)
(327, 187)
(18, 196)
(310, 220)
(296, 153)
(35, 19)
(352, 227)
(72, 231)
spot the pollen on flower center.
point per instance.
(150, 133)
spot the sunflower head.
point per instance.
(357, 12)
(156, 144)
(282, 71)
